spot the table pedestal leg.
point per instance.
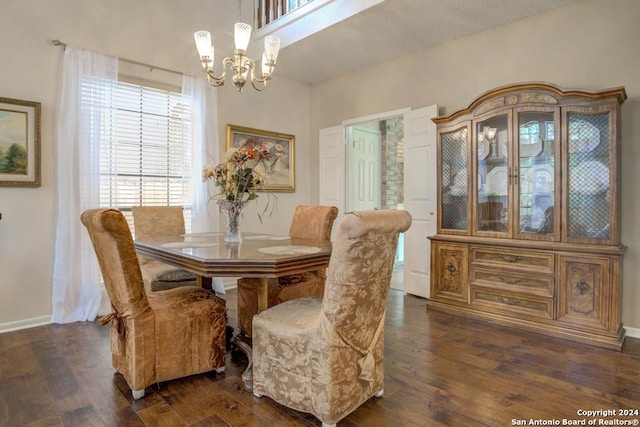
(263, 294)
(204, 282)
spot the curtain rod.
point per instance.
(56, 42)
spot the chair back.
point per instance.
(111, 238)
(151, 221)
(313, 222)
(359, 272)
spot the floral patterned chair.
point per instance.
(152, 221)
(156, 336)
(309, 222)
(325, 356)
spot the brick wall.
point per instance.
(392, 131)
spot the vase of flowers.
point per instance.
(237, 180)
(232, 210)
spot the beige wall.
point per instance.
(591, 44)
(158, 32)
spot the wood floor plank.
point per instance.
(47, 422)
(440, 370)
(212, 421)
(84, 416)
(267, 409)
(161, 415)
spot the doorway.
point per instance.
(410, 186)
(375, 171)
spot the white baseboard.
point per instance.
(25, 324)
(632, 332)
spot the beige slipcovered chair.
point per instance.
(325, 356)
(155, 336)
(309, 222)
(152, 221)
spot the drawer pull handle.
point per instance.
(509, 301)
(451, 268)
(510, 281)
(509, 258)
(583, 286)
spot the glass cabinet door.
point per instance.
(493, 175)
(537, 146)
(454, 182)
(589, 201)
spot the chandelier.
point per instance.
(243, 68)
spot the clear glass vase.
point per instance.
(232, 210)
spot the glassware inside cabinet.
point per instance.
(453, 179)
(589, 195)
(536, 163)
(492, 144)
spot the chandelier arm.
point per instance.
(259, 89)
(263, 78)
(259, 80)
(249, 65)
(228, 61)
(215, 80)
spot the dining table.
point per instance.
(261, 256)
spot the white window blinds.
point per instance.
(147, 161)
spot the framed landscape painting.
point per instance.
(282, 174)
(19, 143)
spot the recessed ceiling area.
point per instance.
(394, 28)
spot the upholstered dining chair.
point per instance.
(152, 221)
(156, 336)
(326, 356)
(309, 222)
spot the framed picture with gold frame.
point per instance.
(19, 143)
(282, 175)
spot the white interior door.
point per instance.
(364, 175)
(332, 170)
(420, 195)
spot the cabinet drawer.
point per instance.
(536, 262)
(517, 305)
(507, 281)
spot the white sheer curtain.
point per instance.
(85, 110)
(204, 115)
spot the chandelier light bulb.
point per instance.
(241, 35)
(271, 48)
(203, 44)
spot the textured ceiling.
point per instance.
(394, 28)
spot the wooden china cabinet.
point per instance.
(528, 212)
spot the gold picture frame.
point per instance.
(19, 143)
(282, 176)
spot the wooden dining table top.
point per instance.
(258, 255)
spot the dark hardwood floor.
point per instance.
(439, 370)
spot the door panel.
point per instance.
(419, 197)
(363, 183)
(332, 170)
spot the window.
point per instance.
(146, 160)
